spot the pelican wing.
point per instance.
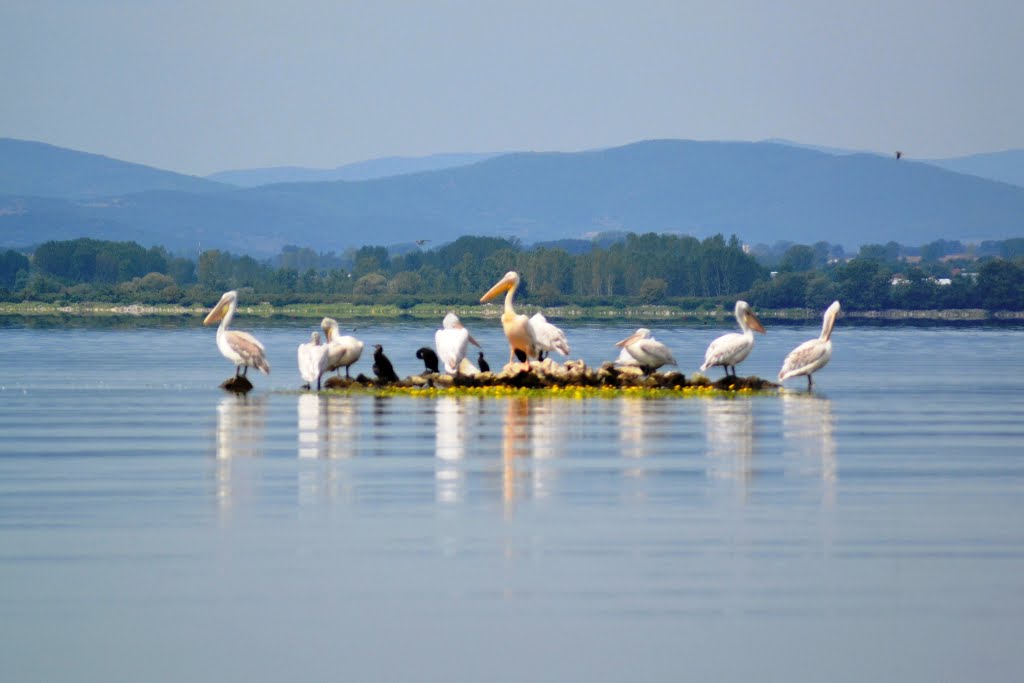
(312, 361)
(248, 348)
(451, 347)
(548, 336)
(651, 353)
(625, 358)
(343, 352)
(805, 359)
(728, 349)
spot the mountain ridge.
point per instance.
(760, 191)
(42, 170)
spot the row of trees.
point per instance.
(648, 268)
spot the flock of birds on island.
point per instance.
(529, 338)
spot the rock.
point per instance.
(339, 383)
(237, 385)
(548, 374)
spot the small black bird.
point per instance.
(429, 358)
(520, 355)
(484, 367)
(382, 366)
(899, 155)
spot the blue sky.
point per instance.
(199, 87)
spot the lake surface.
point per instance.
(154, 528)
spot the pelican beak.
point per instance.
(754, 323)
(217, 313)
(628, 340)
(474, 342)
(502, 285)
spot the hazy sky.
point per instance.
(199, 87)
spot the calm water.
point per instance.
(153, 528)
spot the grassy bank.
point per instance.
(436, 312)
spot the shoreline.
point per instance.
(487, 311)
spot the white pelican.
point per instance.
(342, 352)
(241, 348)
(644, 351)
(732, 348)
(814, 354)
(548, 337)
(451, 342)
(517, 327)
(312, 360)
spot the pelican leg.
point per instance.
(810, 383)
(346, 372)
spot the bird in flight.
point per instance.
(421, 242)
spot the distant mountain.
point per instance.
(361, 170)
(1007, 167)
(41, 170)
(817, 148)
(762, 192)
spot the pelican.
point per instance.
(382, 366)
(342, 352)
(814, 354)
(241, 348)
(643, 350)
(312, 360)
(549, 338)
(517, 327)
(451, 341)
(732, 348)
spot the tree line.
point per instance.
(637, 268)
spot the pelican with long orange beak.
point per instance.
(814, 354)
(733, 348)
(517, 327)
(241, 348)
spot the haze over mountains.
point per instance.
(361, 170)
(761, 191)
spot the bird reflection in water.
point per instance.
(450, 448)
(729, 429)
(638, 420)
(533, 432)
(241, 427)
(809, 430)
(328, 426)
(515, 444)
(313, 436)
(547, 440)
(328, 429)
